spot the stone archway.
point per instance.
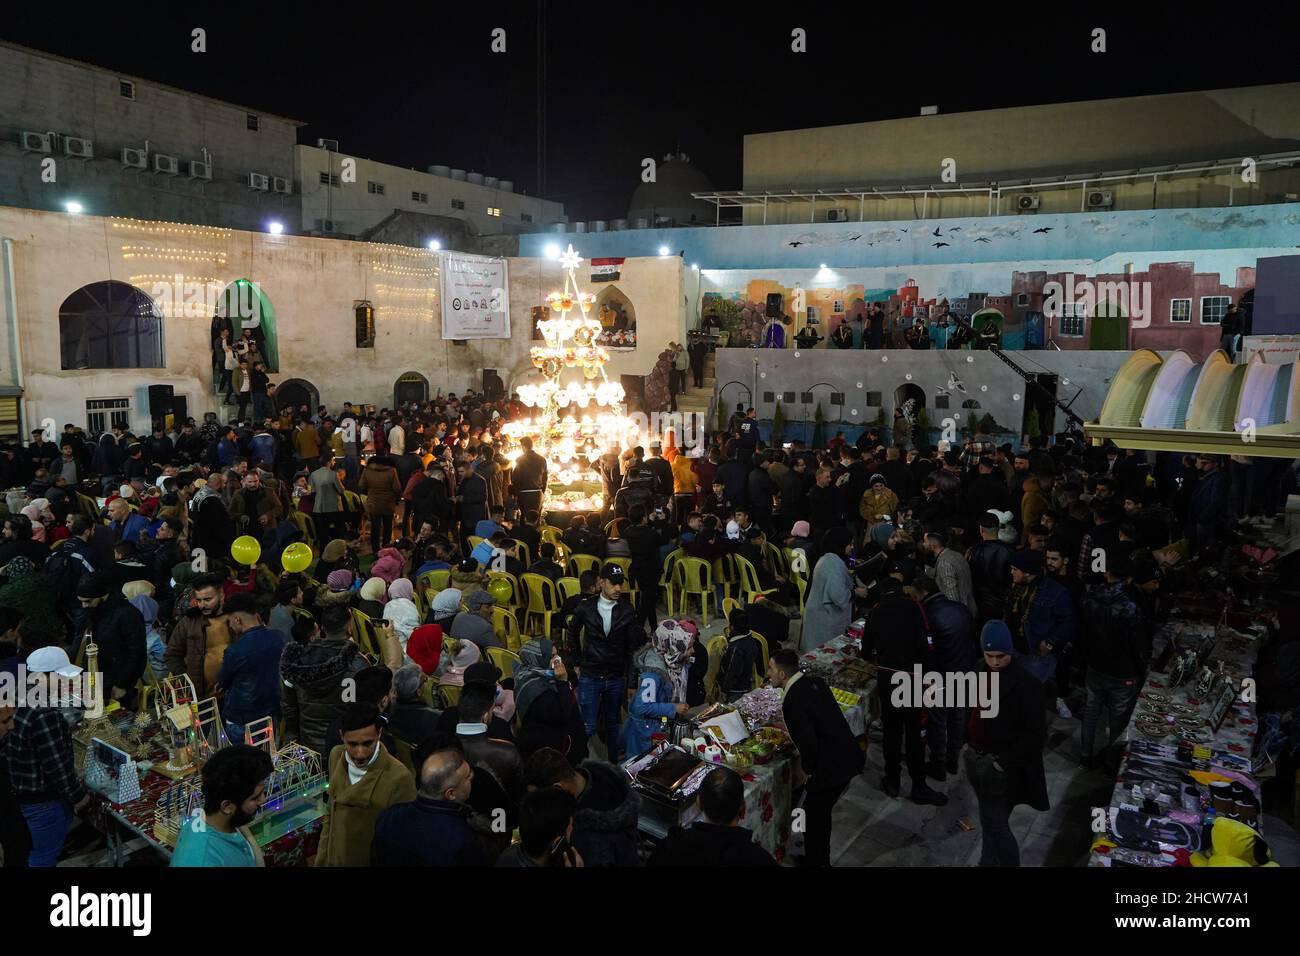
(410, 387)
(296, 392)
(246, 304)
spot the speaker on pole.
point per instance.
(774, 310)
(162, 404)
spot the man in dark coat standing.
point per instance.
(529, 477)
(830, 756)
(1005, 760)
(117, 629)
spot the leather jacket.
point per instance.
(990, 571)
(606, 655)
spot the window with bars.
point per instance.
(126, 89)
(458, 204)
(253, 122)
(1073, 319)
(837, 398)
(419, 197)
(365, 315)
(1214, 308)
(103, 413)
(375, 188)
(329, 179)
(110, 325)
(1180, 310)
(525, 217)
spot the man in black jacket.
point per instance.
(608, 631)
(529, 478)
(434, 829)
(990, 571)
(760, 488)
(1004, 762)
(830, 756)
(734, 476)
(896, 632)
(954, 652)
(717, 839)
(604, 824)
(117, 629)
(645, 540)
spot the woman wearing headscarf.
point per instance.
(337, 590)
(425, 647)
(334, 557)
(546, 704)
(374, 593)
(401, 609)
(155, 646)
(661, 691)
(828, 608)
(389, 566)
(31, 593)
(33, 514)
(457, 655)
(443, 608)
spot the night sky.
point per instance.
(412, 86)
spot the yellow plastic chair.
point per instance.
(762, 643)
(365, 636)
(729, 605)
(801, 583)
(693, 576)
(551, 535)
(775, 560)
(578, 563)
(568, 588)
(434, 580)
(507, 661)
(404, 753)
(89, 508)
(304, 524)
(613, 528)
(475, 541)
(667, 577)
(716, 647)
(726, 575)
(449, 695)
(796, 564)
(506, 626)
(749, 587)
(543, 601)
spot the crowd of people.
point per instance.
(1048, 564)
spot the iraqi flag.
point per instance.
(605, 270)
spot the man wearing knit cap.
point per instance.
(118, 629)
(1004, 758)
(1041, 615)
(475, 624)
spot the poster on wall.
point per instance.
(475, 297)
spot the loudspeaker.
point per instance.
(773, 305)
(493, 388)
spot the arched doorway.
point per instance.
(909, 392)
(110, 325)
(1109, 330)
(295, 393)
(985, 316)
(411, 387)
(731, 395)
(247, 306)
(617, 318)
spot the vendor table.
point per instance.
(1176, 773)
(829, 662)
(137, 817)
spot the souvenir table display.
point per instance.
(1189, 748)
(287, 828)
(851, 679)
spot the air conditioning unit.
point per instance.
(1101, 199)
(200, 170)
(81, 148)
(134, 158)
(328, 144)
(281, 185)
(35, 142)
(837, 215)
(165, 164)
(1027, 202)
(259, 181)
(326, 225)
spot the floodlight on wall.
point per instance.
(552, 250)
(695, 266)
(275, 228)
(664, 250)
(73, 207)
(434, 245)
(822, 267)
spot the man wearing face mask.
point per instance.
(249, 680)
(234, 790)
(364, 781)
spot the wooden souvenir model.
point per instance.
(261, 733)
(178, 804)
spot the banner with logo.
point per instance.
(475, 297)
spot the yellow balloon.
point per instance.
(246, 550)
(296, 557)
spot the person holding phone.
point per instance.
(545, 831)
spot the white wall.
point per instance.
(312, 285)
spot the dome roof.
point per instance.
(670, 194)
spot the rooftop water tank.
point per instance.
(579, 227)
(618, 225)
(597, 225)
(440, 170)
(557, 227)
(506, 186)
(458, 175)
(490, 182)
(475, 178)
(638, 223)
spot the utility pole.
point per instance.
(541, 99)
